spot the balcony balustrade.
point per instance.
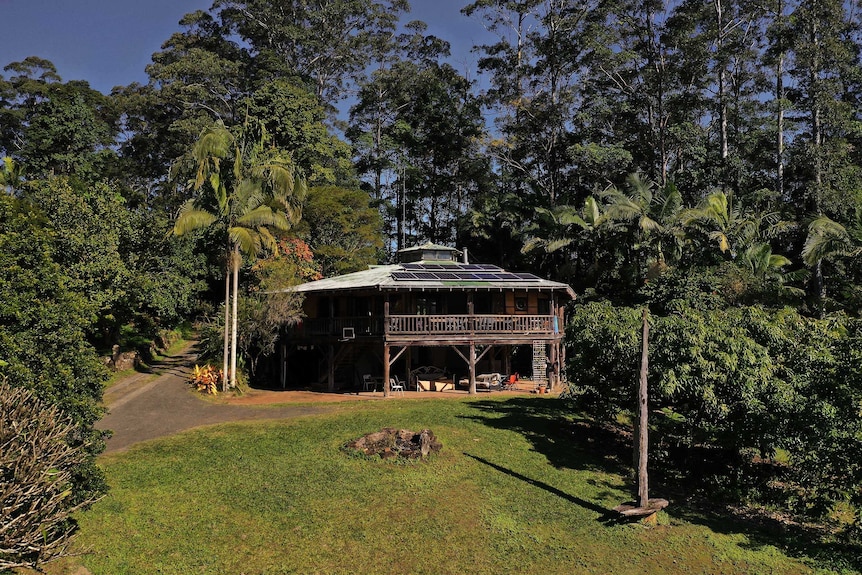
(432, 325)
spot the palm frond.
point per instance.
(648, 224)
(267, 240)
(214, 142)
(531, 244)
(247, 239)
(554, 245)
(568, 216)
(262, 216)
(826, 239)
(720, 239)
(592, 214)
(192, 218)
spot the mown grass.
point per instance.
(509, 493)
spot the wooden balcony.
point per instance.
(436, 328)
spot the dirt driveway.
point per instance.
(146, 406)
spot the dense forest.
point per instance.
(700, 159)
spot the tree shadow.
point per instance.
(604, 514)
(577, 443)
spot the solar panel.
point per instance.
(459, 272)
(467, 276)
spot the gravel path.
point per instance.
(146, 406)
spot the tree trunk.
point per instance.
(643, 414)
(235, 258)
(722, 91)
(779, 95)
(225, 376)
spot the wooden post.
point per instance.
(507, 359)
(283, 366)
(643, 414)
(472, 364)
(385, 370)
(472, 320)
(330, 371)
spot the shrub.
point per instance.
(206, 379)
(40, 454)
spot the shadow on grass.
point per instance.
(604, 514)
(567, 443)
(572, 442)
(174, 364)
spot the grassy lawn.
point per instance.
(509, 493)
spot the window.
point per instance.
(544, 306)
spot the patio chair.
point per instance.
(395, 385)
(367, 382)
(508, 384)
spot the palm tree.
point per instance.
(563, 225)
(265, 194)
(827, 240)
(651, 215)
(767, 268)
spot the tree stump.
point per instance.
(396, 443)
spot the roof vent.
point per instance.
(428, 252)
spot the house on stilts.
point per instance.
(433, 321)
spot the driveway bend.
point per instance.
(149, 406)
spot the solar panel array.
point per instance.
(459, 272)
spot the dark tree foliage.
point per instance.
(43, 325)
(54, 127)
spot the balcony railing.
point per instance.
(436, 325)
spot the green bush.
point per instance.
(736, 384)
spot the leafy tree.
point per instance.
(324, 42)
(89, 224)
(341, 228)
(43, 324)
(423, 111)
(54, 127)
(201, 75)
(294, 119)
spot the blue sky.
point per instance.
(109, 42)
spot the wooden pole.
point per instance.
(643, 414)
(386, 370)
(472, 364)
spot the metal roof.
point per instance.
(434, 276)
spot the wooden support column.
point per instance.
(330, 368)
(472, 364)
(409, 367)
(385, 369)
(472, 319)
(283, 366)
(507, 359)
